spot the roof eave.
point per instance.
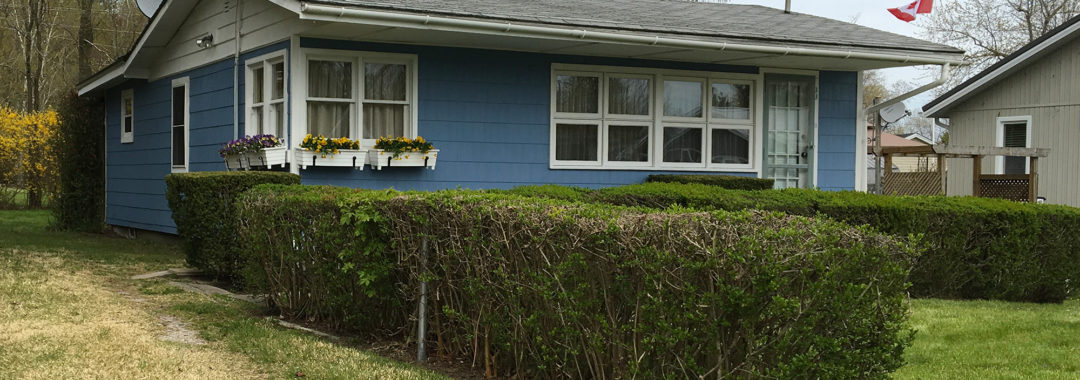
(338, 13)
(939, 107)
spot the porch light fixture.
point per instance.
(205, 41)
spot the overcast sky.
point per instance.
(871, 13)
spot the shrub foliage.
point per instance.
(547, 288)
(80, 146)
(725, 181)
(203, 207)
(978, 248)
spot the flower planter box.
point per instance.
(379, 159)
(344, 159)
(236, 162)
(268, 157)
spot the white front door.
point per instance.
(789, 129)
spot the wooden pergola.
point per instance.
(1018, 187)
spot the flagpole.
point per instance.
(787, 7)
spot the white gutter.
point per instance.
(309, 11)
(946, 73)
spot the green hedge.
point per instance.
(80, 148)
(540, 288)
(203, 207)
(978, 248)
(725, 181)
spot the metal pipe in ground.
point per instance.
(421, 329)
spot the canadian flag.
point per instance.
(908, 12)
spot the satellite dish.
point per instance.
(894, 113)
(149, 7)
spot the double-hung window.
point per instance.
(360, 95)
(624, 118)
(1013, 132)
(266, 95)
(127, 116)
(179, 124)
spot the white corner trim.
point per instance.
(997, 73)
(999, 139)
(860, 138)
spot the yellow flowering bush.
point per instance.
(27, 159)
(324, 146)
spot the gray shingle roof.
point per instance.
(728, 22)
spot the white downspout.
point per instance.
(236, 69)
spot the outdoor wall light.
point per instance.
(205, 41)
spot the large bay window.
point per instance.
(266, 95)
(628, 118)
(360, 95)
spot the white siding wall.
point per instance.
(264, 23)
(1047, 90)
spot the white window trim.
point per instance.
(186, 82)
(999, 141)
(657, 119)
(267, 62)
(127, 137)
(358, 58)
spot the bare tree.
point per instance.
(991, 30)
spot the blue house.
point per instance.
(512, 92)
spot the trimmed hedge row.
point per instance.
(203, 207)
(725, 181)
(547, 288)
(978, 248)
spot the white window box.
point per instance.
(268, 157)
(236, 162)
(345, 158)
(379, 159)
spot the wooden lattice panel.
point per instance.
(917, 183)
(1014, 188)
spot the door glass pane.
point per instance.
(384, 81)
(731, 101)
(682, 145)
(257, 84)
(178, 146)
(731, 146)
(577, 94)
(628, 96)
(278, 81)
(384, 120)
(628, 143)
(576, 142)
(789, 131)
(330, 79)
(179, 98)
(127, 124)
(682, 99)
(329, 119)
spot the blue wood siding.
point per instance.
(838, 109)
(487, 110)
(136, 172)
(489, 113)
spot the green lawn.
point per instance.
(68, 309)
(993, 340)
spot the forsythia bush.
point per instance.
(27, 159)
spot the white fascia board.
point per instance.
(330, 13)
(938, 109)
(113, 74)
